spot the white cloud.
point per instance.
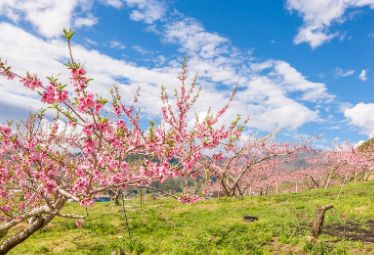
(339, 72)
(293, 81)
(266, 85)
(361, 115)
(49, 54)
(320, 15)
(314, 37)
(269, 107)
(146, 10)
(87, 21)
(116, 45)
(141, 50)
(113, 3)
(261, 98)
(215, 58)
(193, 37)
(363, 75)
(91, 42)
(48, 17)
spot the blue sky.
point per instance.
(303, 66)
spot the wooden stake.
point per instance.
(318, 222)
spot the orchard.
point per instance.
(81, 146)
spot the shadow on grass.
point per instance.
(352, 231)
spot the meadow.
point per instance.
(216, 226)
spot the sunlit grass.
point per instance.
(215, 226)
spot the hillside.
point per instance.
(367, 146)
(216, 226)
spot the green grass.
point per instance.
(216, 226)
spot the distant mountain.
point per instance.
(300, 161)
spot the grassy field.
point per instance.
(216, 226)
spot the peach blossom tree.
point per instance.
(42, 167)
(249, 166)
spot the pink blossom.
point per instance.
(77, 72)
(6, 71)
(218, 156)
(189, 199)
(98, 106)
(86, 102)
(5, 130)
(89, 145)
(79, 223)
(79, 80)
(88, 129)
(86, 201)
(62, 96)
(31, 81)
(49, 95)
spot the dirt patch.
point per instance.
(352, 231)
(279, 248)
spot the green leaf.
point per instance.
(39, 148)
(103, 120)
(103, 101)
(68, 34)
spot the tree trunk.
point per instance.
(37, 223)
(367, 175)
(327, 183)
(141, 197)
(318, 222)
(315, 183)
(224, 186)
(344, 182)
(116, 197)
(21, 236)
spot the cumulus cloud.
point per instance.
(192, 36)
(147, 11)
(363, 75)
(48, 17)
(320, 15)
(293, 81)
(267, 88)
(113, 3)
(262, 98)
(87, 21)
(215, 58)
(45, 57)
(361, 115)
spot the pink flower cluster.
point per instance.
(88, 102)
(189, 199)
(79, 223)
(6, 71)
(218, 156)
(52, 95)
(31, 81)
(80, 81)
